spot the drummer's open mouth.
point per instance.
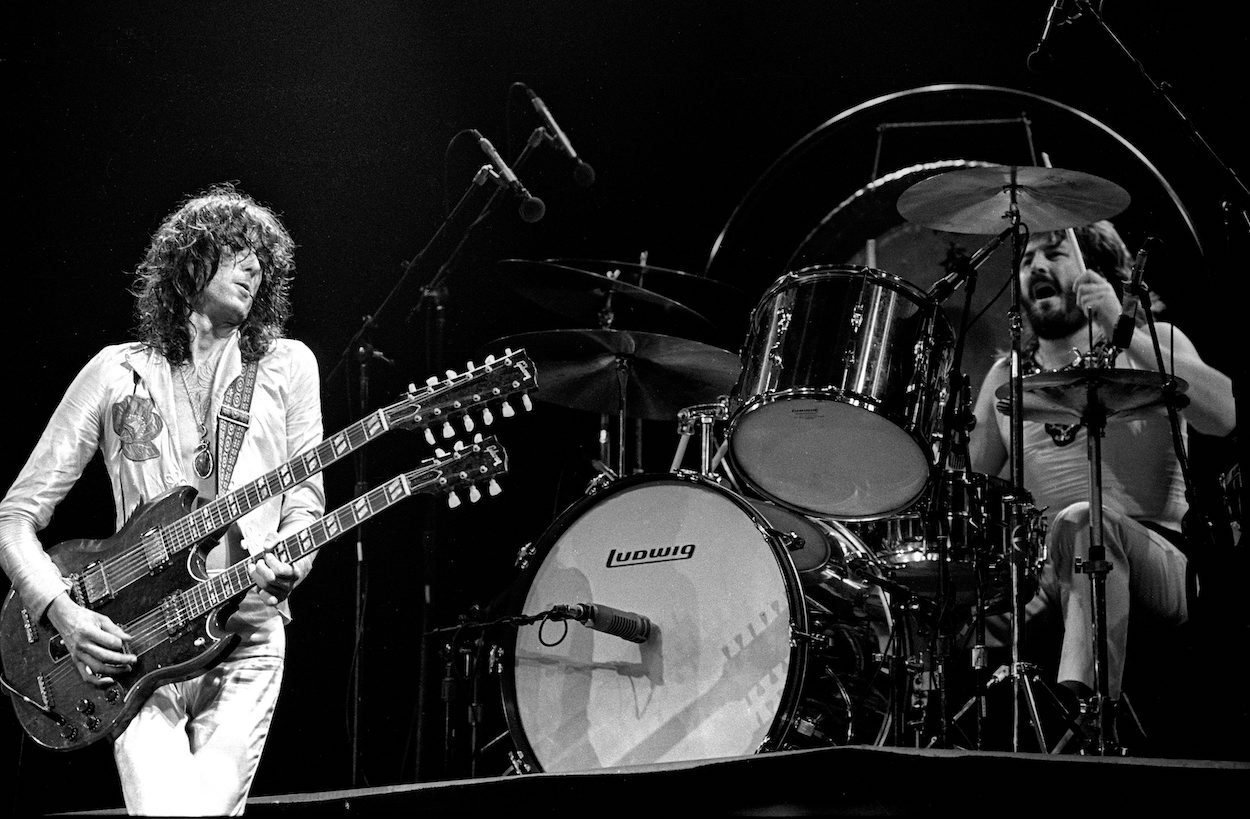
(1042, 289)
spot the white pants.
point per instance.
(1147, 571)
(193, 748)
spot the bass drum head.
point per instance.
(719, 675)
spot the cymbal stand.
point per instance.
(960, 269)
(1097, 567)
(1021, 675)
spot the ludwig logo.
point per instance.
(636, 557)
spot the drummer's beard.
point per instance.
(1056, 322)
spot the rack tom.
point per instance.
(843, 375)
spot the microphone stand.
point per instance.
(1241, 381)
(433, 298)
(1241, 377)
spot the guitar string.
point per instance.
(183, 533)
(133, 563)
(150, 625)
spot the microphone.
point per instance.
(624, 624)
(532, 208)
(1122, 336)
(1041, 58)
(583, 174)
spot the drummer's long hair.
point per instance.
(183, 257)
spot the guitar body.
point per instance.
(149, 578)
(37, 664)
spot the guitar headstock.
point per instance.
(466, 467)
(466, 398)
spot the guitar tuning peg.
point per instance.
(477, 438)
(432, 380)
(507, 410)
(453, 500)
(469, 367)
(488, 417)
(451, 374)
(448, 432)
(412, 387)
(493, 487)
(507, 351)
(440, 452)
(468, 423)
(475, 494)
(526, 402)
(490, 359)
(429, 436)
(457, 446)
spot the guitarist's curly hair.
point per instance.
(183, 257)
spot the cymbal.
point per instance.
(582, 294)
(976, 200)
(667, 281)
(581, 369)
(1063, 396)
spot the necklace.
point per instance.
(203, 462)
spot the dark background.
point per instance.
(342, 116)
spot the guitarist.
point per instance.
(212, 299)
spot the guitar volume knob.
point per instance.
(86, 706)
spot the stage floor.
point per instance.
(843, 781)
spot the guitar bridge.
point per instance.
(173, 613)
(28, 626)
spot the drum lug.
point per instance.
(793, 541)
(857, 316)
(523, 556)
(494, 660)
(599, 482)
(519, 763)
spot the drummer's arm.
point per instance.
(1211, 410)
(985, 444)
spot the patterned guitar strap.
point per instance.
(232, 422)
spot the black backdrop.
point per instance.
(342, 116)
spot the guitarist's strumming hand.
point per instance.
(274, 578)
(96, 644)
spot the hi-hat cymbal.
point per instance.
(583, 369)
(977, 200)
(1065, 396)
(583, 295)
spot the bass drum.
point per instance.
(740, 660)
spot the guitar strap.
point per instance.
(232, 422)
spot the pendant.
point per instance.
(203, 461)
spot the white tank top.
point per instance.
(1141, 476)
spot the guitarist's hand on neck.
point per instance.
(274, 578)
(96, 644)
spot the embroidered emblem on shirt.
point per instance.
(137, 424)
(1063, 434)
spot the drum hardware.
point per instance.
(979, 200)
(701, 418)
(1092, 395)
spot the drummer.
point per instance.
(1143, 491)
